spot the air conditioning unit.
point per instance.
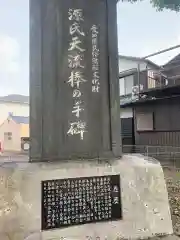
(135, 89)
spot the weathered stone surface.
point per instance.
(144, 199)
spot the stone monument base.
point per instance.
(145, 207)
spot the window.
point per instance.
(145, 121)
(126, 84)
(121, 87)
(151, 79)
(8, 136)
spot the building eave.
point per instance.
(147, 101)
(139, 59)
(15, 102)
(127, 72)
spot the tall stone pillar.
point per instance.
(74, 88)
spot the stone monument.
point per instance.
(74, 84)
(77, 184)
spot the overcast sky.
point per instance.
(141, 31)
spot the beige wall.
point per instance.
(15, 143)
(24, 130)
(16, 108)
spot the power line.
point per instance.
(161, 51)
(176, 63)
(161, 71)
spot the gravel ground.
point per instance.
(172, 176)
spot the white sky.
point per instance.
(141, 31)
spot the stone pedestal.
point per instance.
(145, 207)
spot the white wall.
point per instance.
(126, 113)
(126, 85)
(127, 64)
(16, 108)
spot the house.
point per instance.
(16, 104)
(172, 70)
(14, 133)
(130, 69)
(134, 76)
(156, 111)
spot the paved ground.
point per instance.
(13, 157)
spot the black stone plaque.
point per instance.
(73, 201)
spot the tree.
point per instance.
(160, 5)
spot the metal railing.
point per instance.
(167, 155)
(158, 81)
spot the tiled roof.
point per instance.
(175, 60)
(20, 119)
(15, 98)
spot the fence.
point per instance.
(167, 155)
